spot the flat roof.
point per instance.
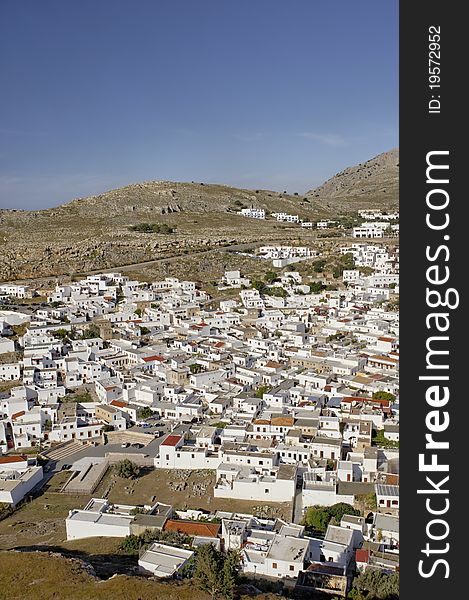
(288, 549)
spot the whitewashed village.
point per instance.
(264, 421)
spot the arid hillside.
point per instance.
(95, 233)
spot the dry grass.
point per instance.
(6, 386)
(48, 576)
(39, 522)
(158, 485)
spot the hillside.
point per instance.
(93, 233)
(373, 184)
(48, 576)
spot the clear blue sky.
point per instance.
(96, 94)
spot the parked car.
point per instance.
(137, 445)
(125, 445)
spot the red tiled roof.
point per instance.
(172, 440)
(153, 357)
(273, 365)
(118, 403)
(12, 459)
(362, 556)
(18, 414)
(192, 527)
(279, 421)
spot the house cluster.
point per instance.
(282, 256)
(379, 258)
(291, 399)
(252, 213)
(285, 217)
(19, 292)
(268, 547)
(371, 214)
(375, 229)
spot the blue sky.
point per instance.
(252, 93)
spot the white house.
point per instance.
(387, 496)
(253, 213)
(10, 372)
(16, 483)
(99, 518)
(162, 560)
(250, 483)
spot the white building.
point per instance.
(99, 518)
(367, 232)
(253, 213)
(16, 483)
(163, 561)
(10, 372)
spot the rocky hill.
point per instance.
(95, 233)
(373, 184)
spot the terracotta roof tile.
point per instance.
(192, 527)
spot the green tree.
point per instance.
(373, 584)
(131, 544)
(231, 566)
(270, 277)
(342, 508)
(144, 413)
(162, 228)
(315, 287)
(261, 390)
(127, 469)
(216, 573)
(319, 265)
(319, 517)
(384, 396)
(259, 286)
(90, 332)
(208, 571)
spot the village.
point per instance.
(264, 421)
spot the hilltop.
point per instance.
(94, 233)
(373, 184)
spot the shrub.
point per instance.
(319, 517)
(161, 228)
(127, 469)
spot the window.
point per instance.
(292, 567)
(274, 566)
(167, 457)
(266, 491)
